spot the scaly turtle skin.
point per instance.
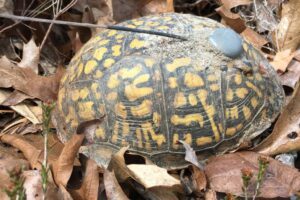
(154, 91)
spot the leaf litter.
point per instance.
(23, 83)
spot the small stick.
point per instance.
(112, 27)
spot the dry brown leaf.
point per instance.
(6, 7)
(291, 76)
(25, 80)
(229, 4)
(190, 155)
(30, 152)
(63, 194)
(62, 168)
(224, 175)
(282, 60)
(31, 56)
(112, 188)
(288, 31)
(124, 10)
(9, 163)
(15, 98)
(24, 110)
(90, 184)
(286, 133)
(231, 19)
(33, 184)
(32, 147)
(157, 6)
(254, 38)
(117, 164)
(156, 176)
(210, 195)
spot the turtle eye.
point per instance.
(227, 41)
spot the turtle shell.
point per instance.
(155, 91)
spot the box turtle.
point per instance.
(212, 90)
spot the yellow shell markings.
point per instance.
(187, 119)
(232, 113)
(115, 133)
(108, 62)
(149, 62)
(254, 102)
(201, 141)
(113, 81)
(71, 117)
(210, 112)
(158, 138)
(230, 131)
(192, 99)
(246, 112)
(131, 72)
(214, 87)
(229, 95)
(152, 23)
(103, 42)
(193, 80)
(86, 110)
(253, 87)
(112, 96)
(116, 50)
(60, 99)
(179, 100)
(212, 77)
(90, 66)
(98, 55)
(125, 129)
(144, 109)
(241, 92)
(163, 27)
(156, 119)
(238, 79)
(98, 74)
(177, 63)
(120, 110)
(137, 44)
(172, 82)
(188, 138)
(80, 94)
(139, 138)
(111, 33)
(132, 92)
(100, 133)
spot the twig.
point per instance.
(56, 13)
(112, 27)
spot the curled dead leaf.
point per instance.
(287, 34)
(286, 133)
(224, 175)
(62, 168)
(31, 153)
(231, 19)
(282, 60)
(112, 188)
(28, 82)
(156, 176)
(31, 56)
(90, 184)
(254, 38)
